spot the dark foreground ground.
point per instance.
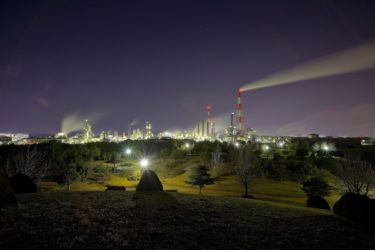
(115, 219)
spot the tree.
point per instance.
(30, 162)
(200, 177)
(69, 174)
(217, 161)
(316, 187)
(71, 162)
(115, 158)
(358, 176)
(247, 167)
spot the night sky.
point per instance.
(164, 61)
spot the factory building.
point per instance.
(136, 134)
(203, 130)
(87, 136)
(148, 131)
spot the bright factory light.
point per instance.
(143, 163)
(128, 151)
(236, 144)
(187, 145)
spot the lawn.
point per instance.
(115, 219)
(281, 191)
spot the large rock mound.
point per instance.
(21, 183)
(149, 182)
(7, 196)
(356, 207)
(317, 202)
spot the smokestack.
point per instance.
(239, 112)
(209, 113)
(209, 127)
(232, 126)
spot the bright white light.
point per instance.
(128, 151)
(187, 145)
(236, 144)
(281, 144)
(265, 147)
(325, 147)
(143, 162)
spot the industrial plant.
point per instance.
(204, 130)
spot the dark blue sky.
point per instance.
(164, 61)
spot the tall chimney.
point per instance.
(239, 113)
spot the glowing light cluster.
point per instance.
(144, 162)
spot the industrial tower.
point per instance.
(239, 113)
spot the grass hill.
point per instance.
(281, 191)
(115, 219)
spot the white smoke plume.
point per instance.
(347, 61)
(75, 121)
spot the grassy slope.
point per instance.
(286, 192)
(110, 220)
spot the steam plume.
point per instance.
(75, 121)
(347, 61)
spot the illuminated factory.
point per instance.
(205, 130)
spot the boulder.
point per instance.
(7, 196)
(149, 182)
(116, 188)
(21, 183)
(317, 202)
(356, 207)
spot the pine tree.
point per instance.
(200, 177)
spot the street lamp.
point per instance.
(143, 163)
(128, 151)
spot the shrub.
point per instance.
(316, 187)
(21, 183)
(356, 207)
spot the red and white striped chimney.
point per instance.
(239, 112)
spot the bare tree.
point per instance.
(30, 162)
(217, 162)
(358, 176)
(247, 167)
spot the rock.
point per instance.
(356, 207)
(149, 182)
(120, 188)
(21, 183)
(317, 202)
(7, 196)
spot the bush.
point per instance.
(21, 183)
(115, 188)
(300, 170)
(356, 207)
(317, 202)
(7, 197)
(131, 174)
(316, 187)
